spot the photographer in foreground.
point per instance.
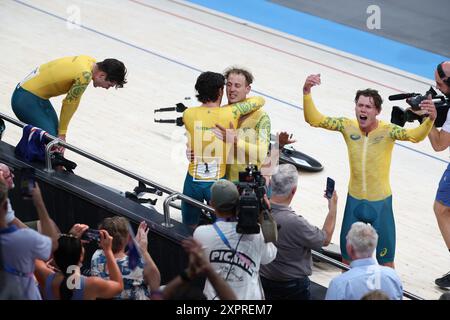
(440, 140)
(286, 278)
(236, 257)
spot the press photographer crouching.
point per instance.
(235, 256)
(440, 140)
(287, 277)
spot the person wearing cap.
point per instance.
(440, 140)
(236, 257)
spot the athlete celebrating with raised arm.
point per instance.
(369, 142)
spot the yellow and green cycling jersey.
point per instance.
(69, 75)
(252, 145)
(210, 152)
(369, 155)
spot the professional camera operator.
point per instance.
(236, 257)
(440, 140)
(287, 276)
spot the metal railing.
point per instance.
(345, 267)
(168, 202)
(54, 141)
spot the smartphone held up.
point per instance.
(330, 188)
(27, 183)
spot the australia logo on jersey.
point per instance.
(238, 259)
(383, 252)
(377, 139)
(355, 136)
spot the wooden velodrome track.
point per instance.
(165, 44)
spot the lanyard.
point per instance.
(17, 272)
(244, 259)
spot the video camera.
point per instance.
(253, 211)
(400, 116)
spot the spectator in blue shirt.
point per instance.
(20, 247)
(365, 274)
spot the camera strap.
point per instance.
(244, 259)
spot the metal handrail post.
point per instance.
(166, 207)
(175, 205)
(48, 154)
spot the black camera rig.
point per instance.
(252, 188)
(253, 210)
(400, 116)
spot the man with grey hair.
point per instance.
(365, 274)
(236, 257)
(287, 276)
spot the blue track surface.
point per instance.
(193, 68)
(334, 35)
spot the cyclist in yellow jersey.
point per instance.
(69, 75)
(370, 143)
(210, 154)
(252, 138)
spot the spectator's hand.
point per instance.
(284, 138)
(142, 236)
(198, 263)
(267, 201)
(332, 202)
(429, 108)
(224, 134)
(311, 81)
(78, 229)
(51, 265)
(105, 240)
